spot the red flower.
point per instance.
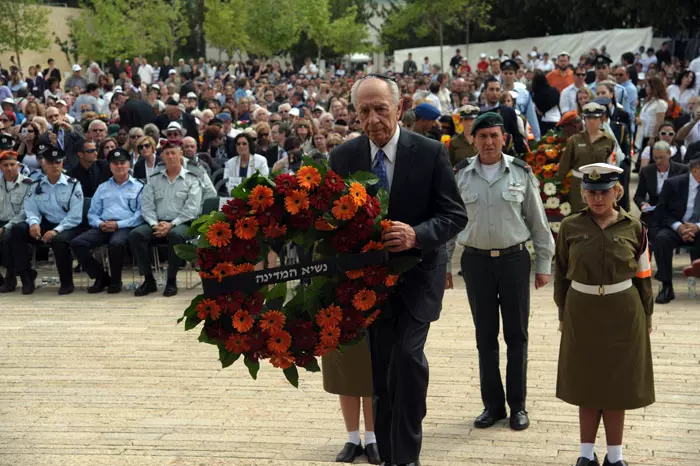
(235, 209)
(334, 182)
(285, 184)
(329, 336)
(304, 358)
(303, 220)
(282, 361)
(375, 275)
(329, 316)
(238, 343)
(260, 198)
(274, 230)
(206, 259)
(279, 342)
(373, 208)
(215, 330)
(346, 291)
(321, 199)
(270, 216)
(344, 241)
(361, 226)
(352, 319)
(242, 321)
(254, 303)
(249, 250)
(303, 334)
(231, 302)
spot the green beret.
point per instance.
(487, 120)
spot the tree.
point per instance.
(274, 26)
(24, 27)
(225, 24)
(68, 47)
(163, 25)
(340, 36)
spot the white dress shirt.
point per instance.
(390, 152)
(661, 177)
(692, 192)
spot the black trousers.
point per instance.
(400, 385)
(116, 242)
(665, 243)
(625, 182)
(60, 245)
(5, 251)
(140, 240)
(504, 282)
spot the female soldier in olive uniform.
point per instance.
(602, 287)
(592, 145)
(462, 144)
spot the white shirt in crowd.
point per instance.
(435, 101)
(648, 117)
(661, 178)
(674, 92)
(232, 169)
(309, 71)
(425, 68)
(567, 98)
(146, 74)
(694, 135)
(694, 66)
(545, 66)
(646, 153)
(646, 60)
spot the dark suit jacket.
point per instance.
(71, 142)
(136, 113)
(424, 195)
(140, 168)
(673, 200)
(647, 186)
(510, 124)
(186, 120)
(91, 178)
(271, 155)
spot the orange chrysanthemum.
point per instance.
(372, 246)
(371, 318)
(321, 225)
(354, 274)
(358, 194)
(364, 299)
(550, 140)
(247, 228)
(297, 201)
(329, 336)
(208, 308)
(279, 342)
(386, 225)
(282, 361)
(274, 230)
(272, 321)
(530, 157)
(238, 343)
(308, 177)
(219, 234)
(222, 270)
(391, 280)
(242, 321)
(330, 316)
(260, 198)
(344, 208)
(243, 268)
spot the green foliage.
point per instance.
(24, 26)
(162, 25)
(225, 24)
(273, 26)
(186, 252)
(253, 366)
(292, 375)
(226, 357)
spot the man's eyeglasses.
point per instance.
(90, 151)
(666, 133)
(242, 143)
(263, 135)
(581, 75)
(172, 134)
(143, 146)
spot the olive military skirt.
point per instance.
(348, 373)
(605, 353)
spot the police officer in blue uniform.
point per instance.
(115, 210)
(54, 210)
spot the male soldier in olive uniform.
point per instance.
(12, 193)
(505, 210)
(462, 144)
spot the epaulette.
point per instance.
(71, 180)
(193, 163)
(159, 172)
(462, 164)
(28, 181)
(141, 181)
(521, 163)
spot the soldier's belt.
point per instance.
(494, 252)
(601, 290)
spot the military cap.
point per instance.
(112, 130)
(6, 142)
(53, 154)
(568, 118)
(118, 155)
(487, 120)
(8, 155)
(602, 60)
(468, 112)
(599, 176)
(41, 148)
(510, 64)
(593, 110)
(425, 111)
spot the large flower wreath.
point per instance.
(345, 289)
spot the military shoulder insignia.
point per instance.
(520, 163)
(78, 195)
(462, 164)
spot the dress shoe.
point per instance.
(146, 287)
(372, 453)
(100, 284)
(170, 290)
(114, 288)
(9, 285)
(519, 420)
(349, 452)
(665, 295)
(586, 462)
(619, 463)
(489, 418)
(28, 278)
(66, 289)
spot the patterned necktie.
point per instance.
(695, 217)
(380, 170)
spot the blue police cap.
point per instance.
(425, 111)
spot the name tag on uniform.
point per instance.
(582, 145)
(517, 187)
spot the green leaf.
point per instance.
(278, 292)
(366, 178)
(292, 375)
(191, 310)
(191, 322)
(194, 227)
(383, 198)
(226, 357)
(313, 366)
(203, 242)
(186, 252)
(204, 338)
(253, 367)
(240, 192)
(401, 264)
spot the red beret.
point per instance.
(568, 117)
(8, 155)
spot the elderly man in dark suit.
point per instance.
(651, 181)
(426, 211)
(678, 213)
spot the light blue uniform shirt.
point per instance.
(117, 202)
(527, 107)
(60, 203)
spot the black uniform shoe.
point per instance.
(519, 420)
(99, 285)
(28, 278)
(349, 453)
(489, 418)
(66, 289)
(666, 295)
(170, 290)
(9, 285)
(586, 462)
(147, 287)
(619, 463)
(114, 288)
(372, 453)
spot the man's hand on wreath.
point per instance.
(400, 237)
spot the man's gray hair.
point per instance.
(662, 145)
(393, 87)
(136, 131)
(95, 123)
